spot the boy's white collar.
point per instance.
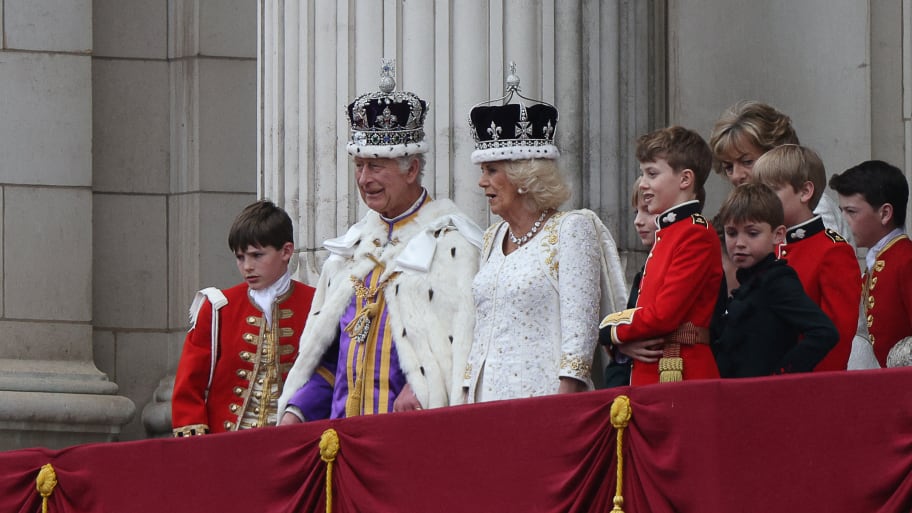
(265, 297)
(871, 257)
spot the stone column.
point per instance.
(471, 78)
(209, 56)
(623, 71)
(907, 90)
(568, 82)
(51, 393)
(317, 56)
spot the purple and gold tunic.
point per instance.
(363, 376)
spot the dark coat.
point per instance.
(617, 373)
(759, 329)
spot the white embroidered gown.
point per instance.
(536, 311)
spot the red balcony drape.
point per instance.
(839, 442)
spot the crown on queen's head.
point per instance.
(513, 131)
(387, 123)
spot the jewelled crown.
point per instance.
(387, 123)
(513, 131)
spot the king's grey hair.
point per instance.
(405, 162)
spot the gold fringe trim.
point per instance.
(620, 417)
(329, 448)
(671, 369)
(46, 482)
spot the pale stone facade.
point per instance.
(128, 143)
(132, 132)
(175, 160)
(835, 66)
(615, 70)
(595, 60)
(49, 386)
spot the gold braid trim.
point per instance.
(191, 430)
(329, 448)
(328, 376)
(46, 482)
(620, 417)
(617, 318)
(671, 365)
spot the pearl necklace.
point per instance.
(531, 233)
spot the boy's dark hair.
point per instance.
(879, 183)
(260, 224)
(752, 202)
(682, 148)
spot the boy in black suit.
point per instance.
(760, 327)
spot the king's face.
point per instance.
(384, 186)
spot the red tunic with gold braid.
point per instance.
(887, 296)
(251, 366)
(680, 285)
(831, 277)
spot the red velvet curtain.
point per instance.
(829, 442)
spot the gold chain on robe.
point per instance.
(362, 328)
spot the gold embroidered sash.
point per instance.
(362, 328)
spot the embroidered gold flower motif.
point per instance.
(576, 365)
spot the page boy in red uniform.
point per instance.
(683, 271)
(873, 197)
(243, 341)
(824, 261)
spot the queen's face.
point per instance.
(503, 196)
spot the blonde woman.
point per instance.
(545, 274)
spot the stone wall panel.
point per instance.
(48, 25)
(135, 29)
(130, 286)
(131, 126)
(225, 29)
(45, 131)
(48, 253)
(227, 130)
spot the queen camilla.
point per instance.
(545, 274)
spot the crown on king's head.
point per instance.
(387, 123)
(513, 131)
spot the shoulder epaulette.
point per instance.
(834, 236)
(699, 219)
(218, 300)
(616, 318)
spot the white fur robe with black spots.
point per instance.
(430, 304)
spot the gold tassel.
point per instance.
(46, 482)
(329, 447)
(671, 369)
(620, 416)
